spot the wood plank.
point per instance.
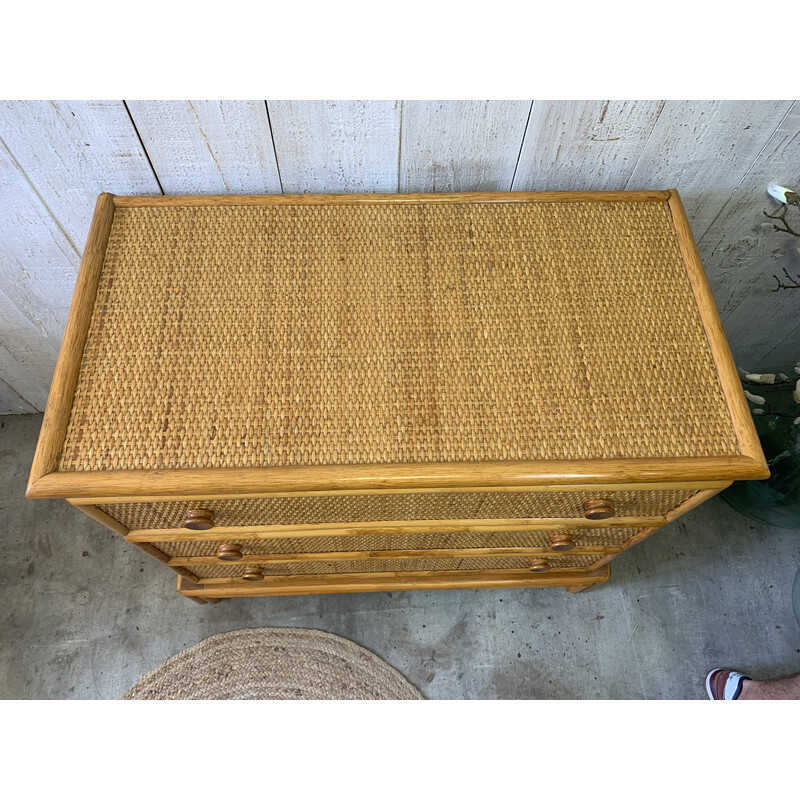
(786, 351)
(336, 145)
(208, 146)
(72, 151)
(460, 145)
(588, 145)
(704, 149)
(763, 328)
(11, 402)
(55, 158)
(38, 265)
(27, 355)
(740, 250)
(386, 582)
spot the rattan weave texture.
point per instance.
(585, 537)
(234, 571)
(386, 507)
(393, 333)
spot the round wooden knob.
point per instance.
(561, 541)
(229, 552)
(597, 509)
(198, 519)
(253, 574)
(539, 565)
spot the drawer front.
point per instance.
(376, 542)
(314, 510)
(255, 571)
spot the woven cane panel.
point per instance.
(249, 336)
(389, 565)
(388, 507)
(585, 537)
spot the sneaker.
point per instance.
(725, 684)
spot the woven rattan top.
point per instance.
(276, 335)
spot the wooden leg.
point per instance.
(200, 600)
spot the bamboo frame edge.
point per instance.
(65, 376)
(246, 481)
(718, 344)
(355, 583)
(139, 201)
(389, 528)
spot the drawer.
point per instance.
(563, 539)
(320, 509)
(254, 571)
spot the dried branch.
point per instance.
(794, 283)
(781, 215)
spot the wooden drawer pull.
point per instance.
(539, 565)
(229, 552)
(253, 574)
(198, 519)
(562, 541)
(597, 509)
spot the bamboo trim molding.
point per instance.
(405, 526)
(387, 582)
(62, 388)
(359, 199)
(565, 572)
(717, 341)
(392, 555)
(584, 487)
(246, 481)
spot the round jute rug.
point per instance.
(274, 664)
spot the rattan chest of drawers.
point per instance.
(320, 393)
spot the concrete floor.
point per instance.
(84, 614)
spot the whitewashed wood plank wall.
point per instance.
(56, 157)
(209, 147)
